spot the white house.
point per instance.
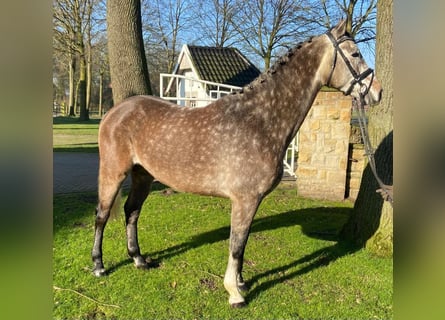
(203, 74)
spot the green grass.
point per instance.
(72, 135)
(293, 263)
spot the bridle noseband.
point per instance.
(358, 78)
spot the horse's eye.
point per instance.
(356, 54)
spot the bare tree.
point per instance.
(89, 51)
(101, 97)
(60, 81)
(215, 22)
(165, 20)
(82, 83)
(360, 18)
(164, 25)
(64, 42)
(266, 25)
(71, 22)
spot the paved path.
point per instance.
(75, 172)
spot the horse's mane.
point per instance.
(279, 64)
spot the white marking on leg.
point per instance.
(230, 282)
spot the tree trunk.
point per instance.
(101, 90)
(82, 93)
(84, 114)
(349, 11)
(128, 65)
(71, 71)
(89, 77)
(267, 59)
(89, 59)
(371, 223)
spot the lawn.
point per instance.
(294, 265)
(72, 135)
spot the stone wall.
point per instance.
(323, 148)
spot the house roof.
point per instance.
(223, 65)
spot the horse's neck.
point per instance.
(284, 94)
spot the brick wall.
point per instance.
(323, 148)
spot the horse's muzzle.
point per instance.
(374, 94)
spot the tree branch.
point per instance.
(86, 297)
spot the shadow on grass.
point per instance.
(74, 120)
(313, 222)
(70, 209)
(89, 147)
(320, 223)
(312, 261)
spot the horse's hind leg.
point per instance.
(140, 188)
(109, 186)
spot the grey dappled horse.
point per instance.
(232, 148)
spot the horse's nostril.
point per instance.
(379, 95)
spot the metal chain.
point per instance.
(385, 191)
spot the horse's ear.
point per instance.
(340, 29)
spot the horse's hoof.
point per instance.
(141, 263)
(243, 287)
(99, 272)
(238, 305)
(142, 266)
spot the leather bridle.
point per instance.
(385, 190)
(357, 77)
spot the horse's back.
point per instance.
(129, 108)
(132, 114)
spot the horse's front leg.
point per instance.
(241, 220)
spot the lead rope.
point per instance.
(385, 191)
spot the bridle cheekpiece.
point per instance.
(358, 78)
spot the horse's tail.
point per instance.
(114, 212)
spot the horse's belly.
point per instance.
(224, 180)
(186, 175)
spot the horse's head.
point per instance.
(349, 71)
